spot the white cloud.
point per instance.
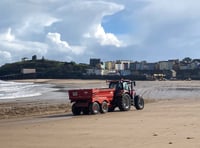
(55, 29)
(36, 23)
(13, 49)
(82, 18)
(164, 29)
(73, 29)
(106, 38)
(7, 36)
(55, 42)
(103, 38)
(55, 38)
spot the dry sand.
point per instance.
(165, 123)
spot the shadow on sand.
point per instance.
(68, 115)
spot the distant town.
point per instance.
(175, 69)
(171, 69)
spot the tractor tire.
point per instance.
(139, 102)
(124, 103)
(94, 108)
(76, 110)
(104, 107)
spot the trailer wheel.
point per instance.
(85, 110)
(139, 102)
(124, 102)
(94, 108)
(76, 110)
(104, 107)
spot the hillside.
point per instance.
(49, 69)
(44, 69)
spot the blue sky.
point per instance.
(77, 30)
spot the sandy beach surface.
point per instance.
(166, 122)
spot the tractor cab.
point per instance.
(123, 86)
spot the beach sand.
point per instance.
(172, 122)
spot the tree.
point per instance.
(187, 60)
(24, 59)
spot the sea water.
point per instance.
(147, 89)
(13, 90)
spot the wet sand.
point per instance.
(168, 122)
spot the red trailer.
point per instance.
(92, 101)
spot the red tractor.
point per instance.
(93, 101)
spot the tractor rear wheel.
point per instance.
(94, 108)
(139, 102)
(76, 110)
(124, 103)
(104, 107)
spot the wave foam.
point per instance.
(12, 90)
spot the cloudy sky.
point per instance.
(77, 30)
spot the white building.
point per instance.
(119, 67)
(163, 65)
(28, 71)
(122, 65)
(167, 65)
